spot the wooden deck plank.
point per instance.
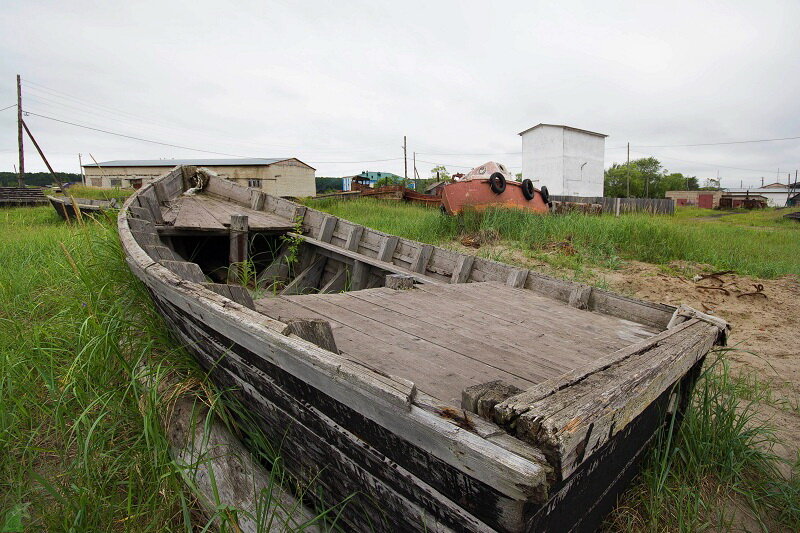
(191, 214)
(524, 306)
(483, 346)
(495, 341)
(257, 220)
(438, 377)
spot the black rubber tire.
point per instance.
(497, 182)
(527, 189)
(545, 194)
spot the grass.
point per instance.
(717, 467)
(99, 193)
(602, 240)
(82, 440)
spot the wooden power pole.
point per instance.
(21, 176)
(405, 157)
(628, 171)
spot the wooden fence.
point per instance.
(655, 206)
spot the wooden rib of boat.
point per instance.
(448, 391)
(66, 206)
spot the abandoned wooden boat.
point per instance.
(491, 185)
(447, 391)
(67, 207)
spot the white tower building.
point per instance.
(569, 161)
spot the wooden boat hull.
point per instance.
(477, 194)
(66, 208)
(418, 463)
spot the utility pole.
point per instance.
(46, 162)
(628, 170)
(414, 166)
(21, 177)
(80, 167)
(405, 158)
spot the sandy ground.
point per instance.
(764, 342)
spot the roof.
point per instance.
(252, 161)
(565, 127)
(776, 185)
(758, 190)
(744, 195)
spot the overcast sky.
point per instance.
(338, 84)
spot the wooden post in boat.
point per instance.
(238, 247)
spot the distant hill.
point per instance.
(9, 179)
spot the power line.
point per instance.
(132, 137)
(9, 107)
(718, 143)
(103, 111)
(190, 148)
(706, 164)
(495, 153)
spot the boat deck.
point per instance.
(202, 212)
(469, 333)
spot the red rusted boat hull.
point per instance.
(477, 194)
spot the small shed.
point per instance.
(436, 187)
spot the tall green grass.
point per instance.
(719, 461)
(598, 239)
(82, 443)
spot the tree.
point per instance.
(390, 179)
(645, 178)
(440, 172)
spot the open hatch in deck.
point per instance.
(445, 338)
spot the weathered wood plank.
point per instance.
(399, 282)
(420, 262)
(354, 238)
(306, 280)
(341, 253)
(387, 248)
(186, 270)
(238, 246)
(517, 278)
(570, 420)
(463, 269)
(336, 283)
(358, 280)
(326, 228)
(314, 331)
(237, 293)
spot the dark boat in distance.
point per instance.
(450, 392)
(67, 207)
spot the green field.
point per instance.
(83, 445)
(761, 244)
(82, 440)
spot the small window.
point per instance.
(97, 182)
(116, 182)
(136, 183)
(254, 183)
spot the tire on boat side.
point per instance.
(497, 182)
(527, 189)
(545, 194)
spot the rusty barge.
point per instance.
(449, 392)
